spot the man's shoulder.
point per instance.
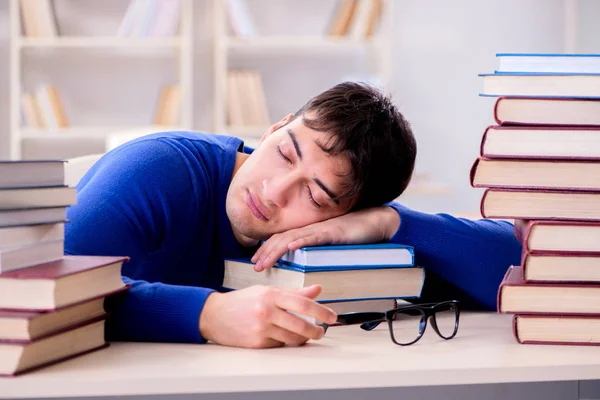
(189, 138)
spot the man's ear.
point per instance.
(277, 125)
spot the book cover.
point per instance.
(344, 257)
(547, 112)
(554, 142)
(551, 329)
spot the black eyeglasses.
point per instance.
(407, 323)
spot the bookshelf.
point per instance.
(178, 47)
(242, 43)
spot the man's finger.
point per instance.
(305, 306)
(283, 335)
(297, 326)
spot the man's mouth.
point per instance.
(257, 209)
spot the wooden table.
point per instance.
(484, 351)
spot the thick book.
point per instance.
(558, 236)
(541, 85)
(24, 235)
(61, 283)
(547, 111)
(549, 62)
(581, 330)
(39, 197)
(540, 204)
(349, 256)
(24, 326)
(24, 256)
(32, 173)
(533, 142)
(536, 174)
(17, 358)
(376, 305)
(338, 284)
(515, 296)
(561, 267)
(32, 216)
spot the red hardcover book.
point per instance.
(515, 296)
(552, 111)
(558, 236)
(57, 284)
(582, 330)
(573, 267)
(540, 204)
(19, 357)
(581, 175)
(541, 142)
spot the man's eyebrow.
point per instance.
(330, 193)
(295, 142)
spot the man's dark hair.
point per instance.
(368, 129)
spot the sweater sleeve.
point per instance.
(463, 259)
(125, 206)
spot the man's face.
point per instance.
(288, 182)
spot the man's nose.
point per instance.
(277, 190)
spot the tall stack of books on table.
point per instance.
(51, 305)
(541, 167)
(369, 277)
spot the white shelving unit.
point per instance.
(225, 45)
(182, 44)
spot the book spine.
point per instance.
(473, 171)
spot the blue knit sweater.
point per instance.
(160, 200)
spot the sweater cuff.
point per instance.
(179, 310)
(423, 231)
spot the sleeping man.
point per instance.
(178, 203)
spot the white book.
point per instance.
(18, 257)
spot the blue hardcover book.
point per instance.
(361, 256)
(339, 285)
(558, 85)
(549, 63)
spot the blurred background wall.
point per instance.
(437, 49)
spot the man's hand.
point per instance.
(364, 226)
(256, 317)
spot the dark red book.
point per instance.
(19, 357)
(557, 111)
(515, 296)
(541, 142)
(558, 236)
(582, 330)
(540, 204)
(57, 284)
(580, 175)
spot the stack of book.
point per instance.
(369, 277)
(51, 305)
(541, 167)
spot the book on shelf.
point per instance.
(515, 296)
(574, 63)
(54, 285)
(24, 326)
(246, 100)
(19, 357)
(545, 205)
(38, 18)
(558, 236)
(168, 107)
(547, 142)
(44, 108)
(536, 174)
(342, 18)
(37, 197)
(150, 18)
(541, 85)
(30, 173)
(371, 282)
(348, 256)
(549, 111)
(557, 329)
